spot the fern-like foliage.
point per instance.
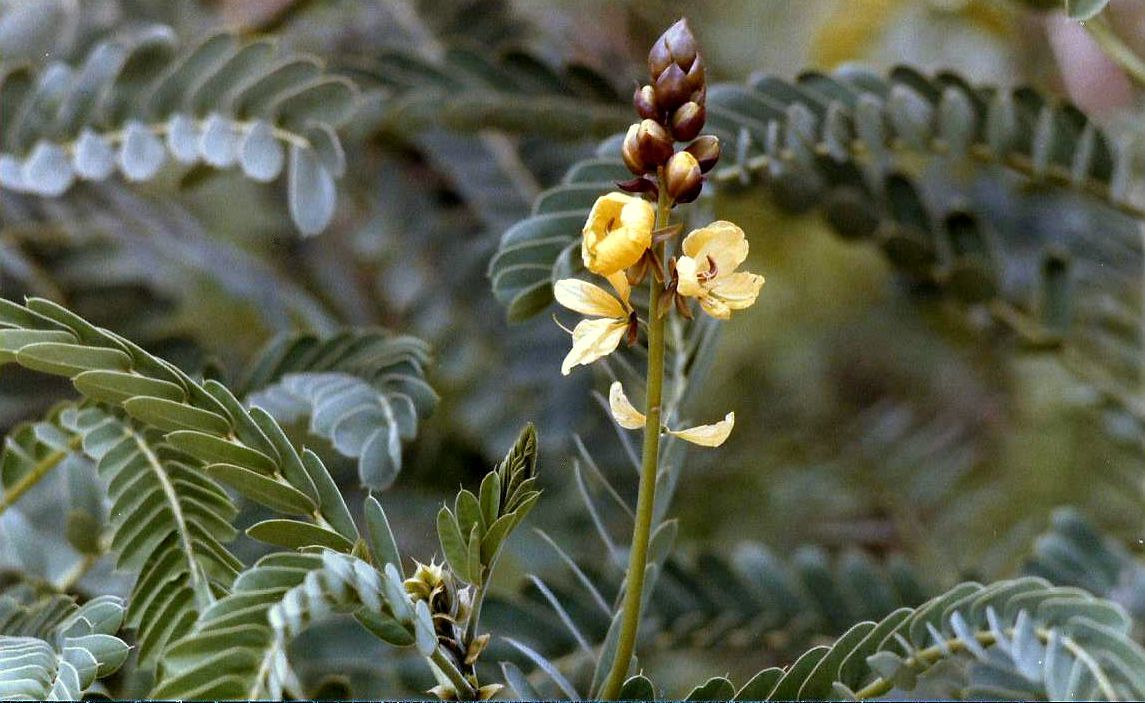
(137, 101)
(1018, 639)
(364, 390)
(1074, 553)
(245, 449)
(169, 522)
(238, 649)
(465, 89)
(53, 650)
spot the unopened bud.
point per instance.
(630, 151)
(653, 142)
(688, 120)
(706, 149)
(644, 100)
(677, 45)
(672, 89)
(683, 177)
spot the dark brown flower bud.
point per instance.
(683, 177)
(697, 78)
(644, 100)
(672, 89)
(630, 151)
(654, 143)
(676, 45)
(687, 121)
(706, 149)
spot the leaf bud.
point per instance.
(683, 177)
(706, 149)
(688, 120)
(644, 100)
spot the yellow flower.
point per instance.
(618, 230)
(707, 270)
(630, 418)
(599, 337)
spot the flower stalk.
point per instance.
(646, 497)
(625, 239)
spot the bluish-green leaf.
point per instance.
(267, 491)
(293, 534)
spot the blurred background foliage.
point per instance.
(877, 419)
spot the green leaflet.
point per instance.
(117, 387)
(70, 359)
(296, 535)
(383, 546)
(172, 416)
(276, 495)
(209, 448)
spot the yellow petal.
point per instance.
(593, 339)
(620, 284)
(708, 435)
(623, 411)
(688, 282)
(587, 299)
(715, 307)
(737, 290)
(723, 241)
(618, 230)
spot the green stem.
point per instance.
(465, 690)
(39, 471)
(1116, 49)
(475, 612)
(638, 556)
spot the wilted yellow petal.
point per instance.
(737, 290)
(593, 339)
(723, 241)
(618, 230)
(707, 435)
(625, 414)
(587, 299)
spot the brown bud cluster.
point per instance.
(673, 108)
